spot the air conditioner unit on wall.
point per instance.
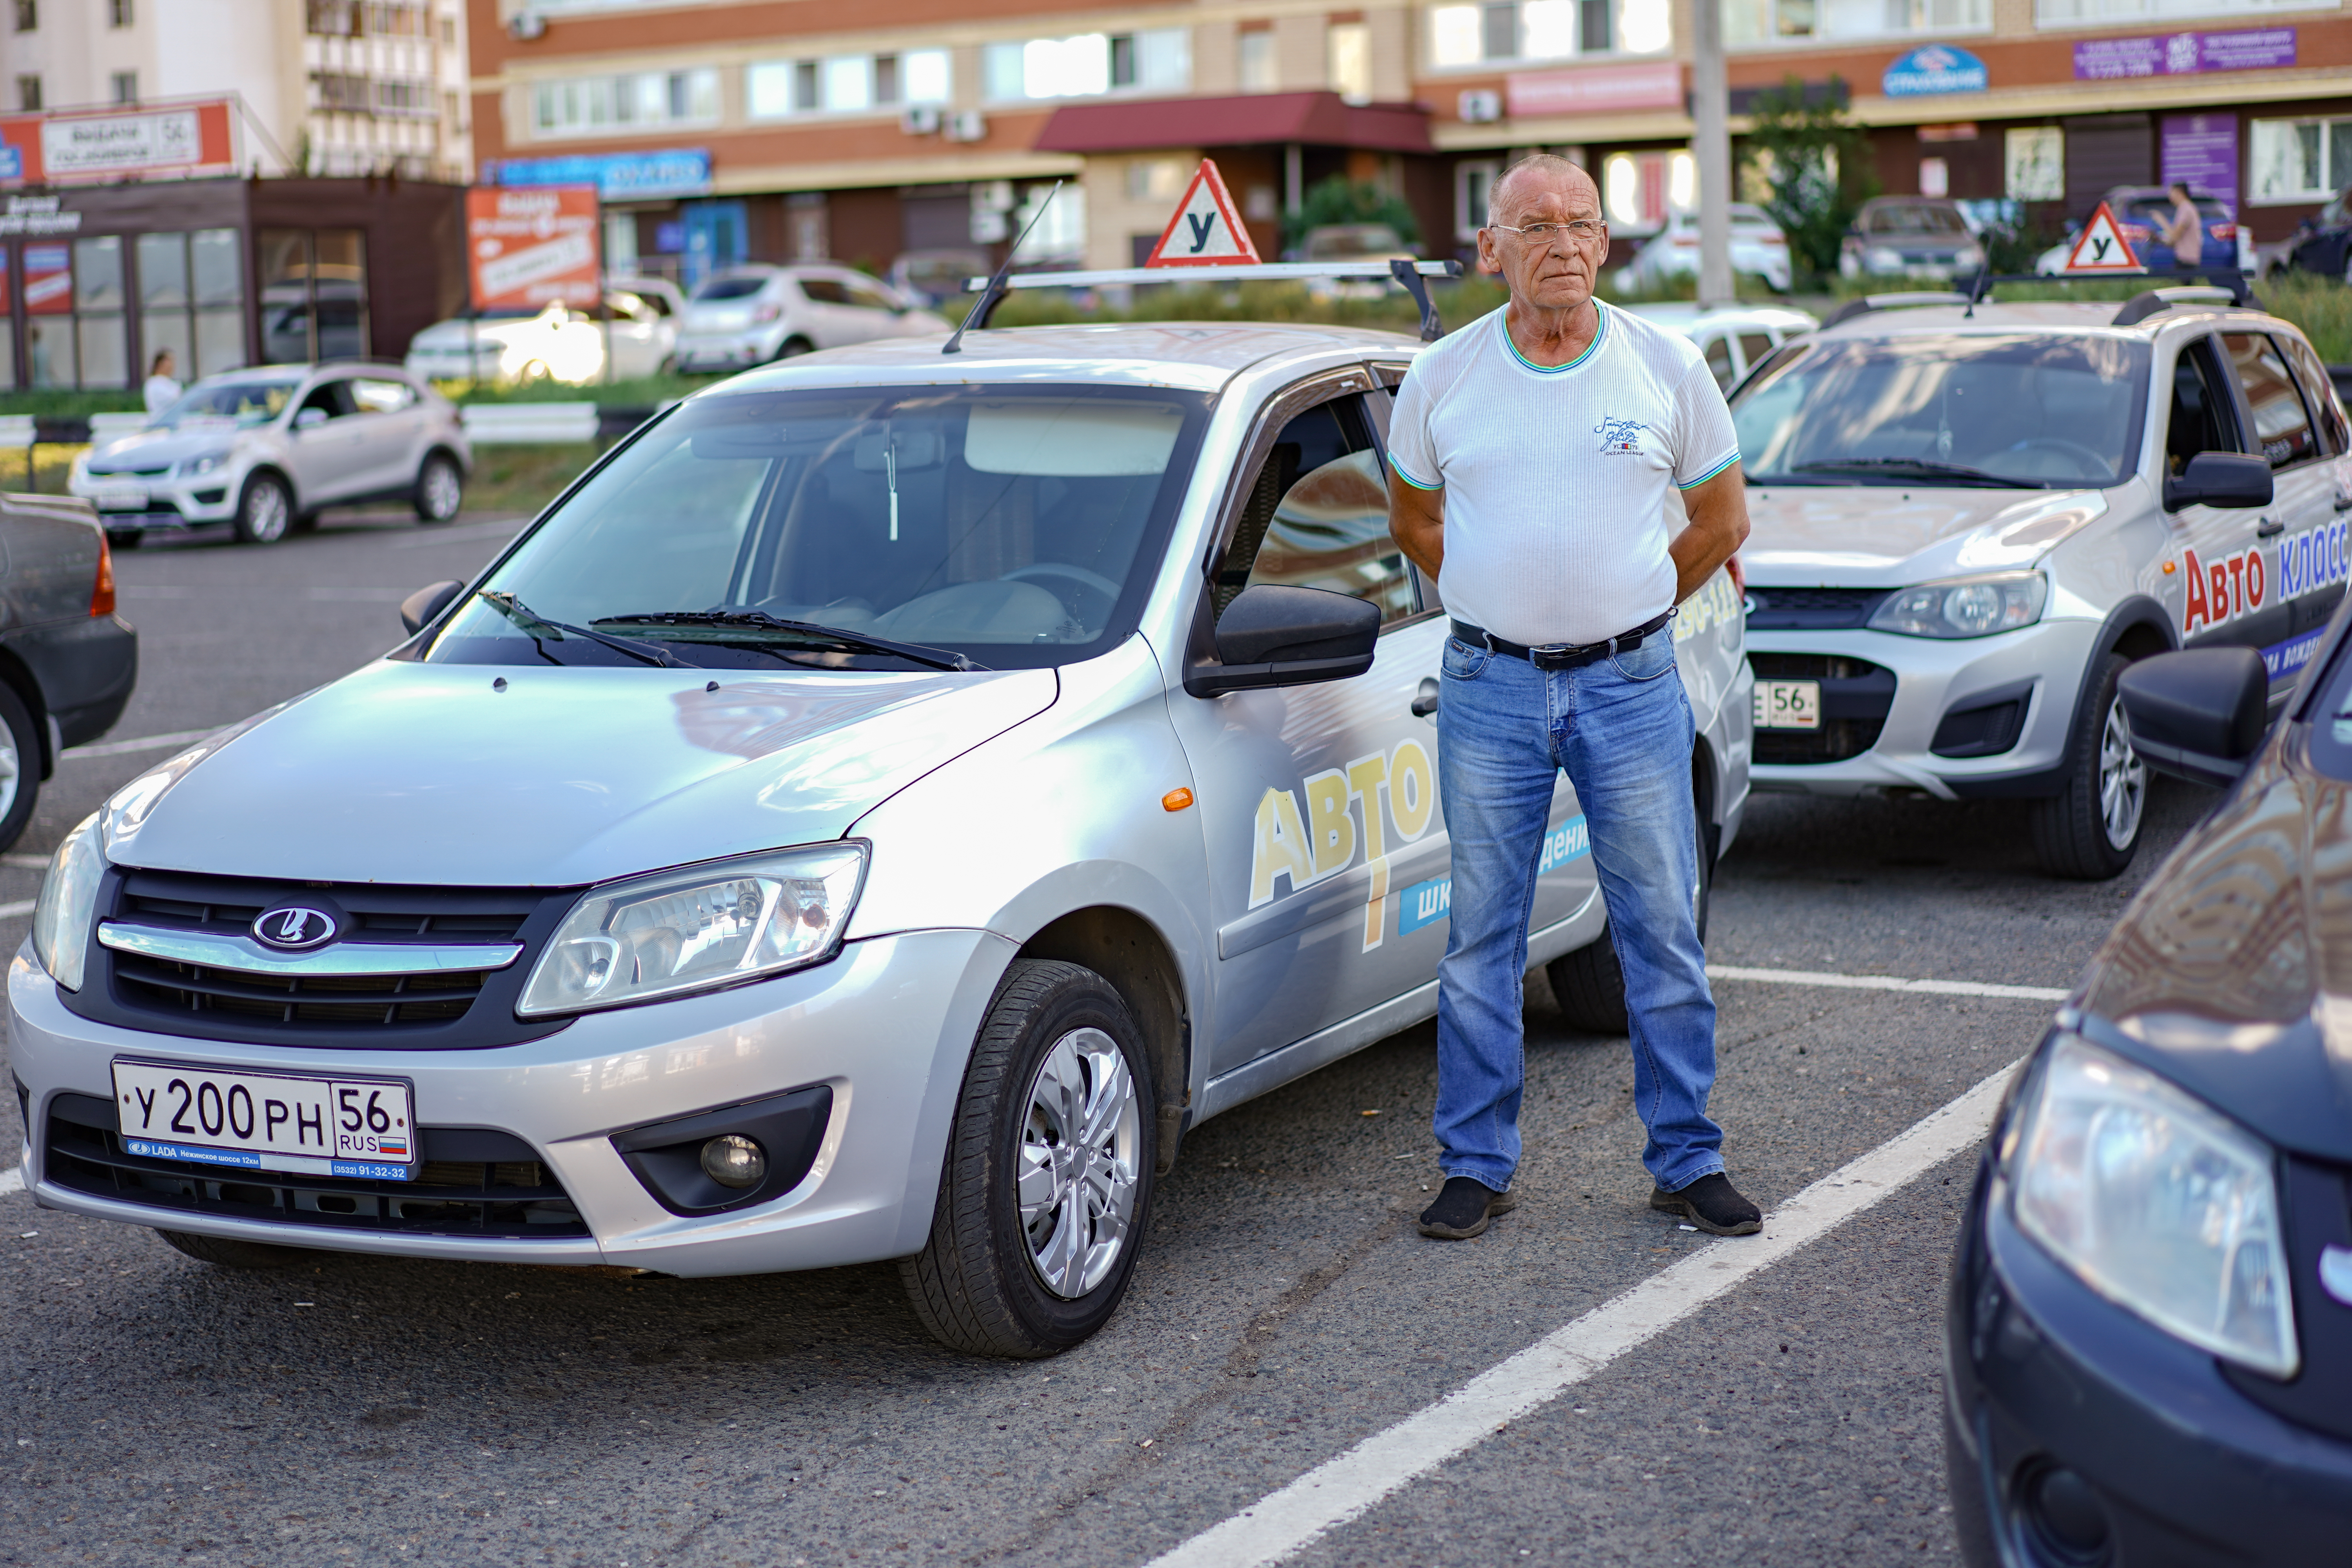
(525, 26)
(920, 119)
(966, 125)
(1480, 106)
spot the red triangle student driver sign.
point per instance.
(1206, 231)
(2103, 248)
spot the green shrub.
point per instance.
(1339, 200)
(2320, 306)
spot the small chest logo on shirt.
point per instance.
(1620, 438)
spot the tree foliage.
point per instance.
(1339, 200)
(1817, 164)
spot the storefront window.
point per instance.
(2301, 160)
(101, 341)
(191, 301)
(48, 310)
(314, 295)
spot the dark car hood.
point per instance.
(2231, 970)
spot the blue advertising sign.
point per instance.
(11, 162)
(1934, 67)
(617, 176)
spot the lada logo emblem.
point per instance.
(294, 927)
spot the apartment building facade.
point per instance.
(791, 130)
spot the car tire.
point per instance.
(981, 1282)
(2090, 829)
(792, 348)
(125, 538)
(265, 511)
(20, 766)
(1588, 984)
(223, 1252)
(440, 489)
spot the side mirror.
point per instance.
(419, 609)
(1276, 636)
(2221, 478)
(2199, 713)
(309, 418)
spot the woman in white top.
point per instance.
(162, 390)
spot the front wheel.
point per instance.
(265, 511)
(125, 538)
(20, 766)
(2089, 831)
(792, 348)
(1047, 1185)
(440, 489)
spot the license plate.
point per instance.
(266, 1121)
(1787, 704)
(121, 498)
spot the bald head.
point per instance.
(1536, 175)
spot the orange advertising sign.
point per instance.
(532, 245)
(169, 140)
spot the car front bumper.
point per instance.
(170, 502)
(887, 1025)
(731, 351)
(2045, 1376)
(2044, 663)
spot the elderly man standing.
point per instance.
(1536, 447)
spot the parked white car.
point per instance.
(1758, 246)
(750, 315)
(1735, 339)
(264, 449)
(636, 329)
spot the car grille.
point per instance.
(1812, 609)
(134, 473)
(427, 1007)
(1856, 696)
(513, 1194)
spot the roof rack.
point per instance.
(1410, 273)
(2239, 286)
(1869, 302)
(2155, 302)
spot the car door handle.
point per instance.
(2270, 526)
(2342, 502)
(1424, 701)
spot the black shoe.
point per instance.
(1463, 1209)
(1713, 1205)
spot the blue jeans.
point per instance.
(1622, 729)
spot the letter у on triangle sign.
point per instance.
(2103, 248)
(1206, 231)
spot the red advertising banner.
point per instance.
(532, 245)
(88, 146)
(48, 280)
(1594, 89)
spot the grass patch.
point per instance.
(62, 403)
(642, 392)
(524, 478)
(2320, 306)
(1619, 289)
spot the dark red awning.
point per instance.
(1321, 119)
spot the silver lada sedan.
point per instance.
(873, 813)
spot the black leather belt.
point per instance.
(1565, 656)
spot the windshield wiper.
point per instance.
(1918, 467)
(806, 632)
(539, 625)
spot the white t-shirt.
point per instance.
(1555, 479)
(160, 393)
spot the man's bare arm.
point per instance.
(1417, 522)
(1718, 527)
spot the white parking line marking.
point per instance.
(506, 529)
(17, 906)
(144, 744)
(1341, 1489)
(1888, 983)
(26, 862)
(12, 1179)
(357, 595)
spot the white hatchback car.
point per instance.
(1734, 338)
(750, 315)
(873, 813)
(264, 449)
(635, 330)
(1758, 247)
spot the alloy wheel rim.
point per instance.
(2123, 780)
(11, 772)
(441, 493)
(264, 512)
(1081, 1143)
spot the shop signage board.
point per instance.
(2200, 151)
(176, 140)
(1594, 89)
(48, 280)
(531, 247)
(1205, 231)
(1934, 69)
(617, 176)
(2184, 54)
(2102, 247)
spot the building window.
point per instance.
(594, 105)
(125, 87)
(191, 301)
(2085, 13)
(845, 84)
(29, 15)
(1087, 65)
(1505, 30)
(1474, 183)
(1060, 233)
(1754, 23)
(1349, 46)
(118, 13)
(2301, 160)
(1255, 66)
(29, 94)
(314, 295)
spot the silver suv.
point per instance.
(873, 813)
(1968, 521)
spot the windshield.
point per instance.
(1017, 526)
(244, 403)
(2044, 413)
(1917, 220)
(728, 289)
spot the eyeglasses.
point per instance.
(1581, 231)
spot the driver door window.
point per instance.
(1319, 517)
(2300, 582)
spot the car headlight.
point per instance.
(1967, 256)
(204, 465)
(698, 928)
(67, 903)
(2157, 1203)
(1964, 607)
(1881, 259)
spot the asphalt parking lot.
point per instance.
(381, 1411)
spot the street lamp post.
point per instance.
(1711, 148)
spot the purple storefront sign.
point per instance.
(2200, 151)
(2184, 54)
